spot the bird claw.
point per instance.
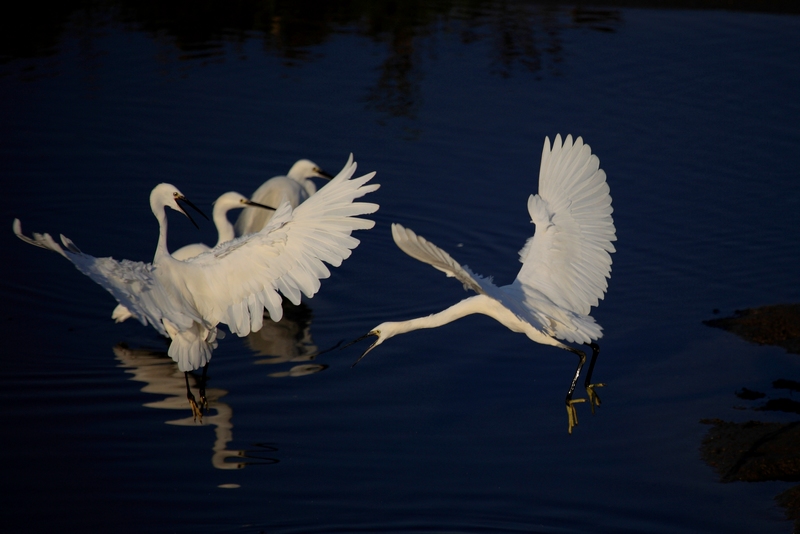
(594, 398)
(572, 415)
(197, 411)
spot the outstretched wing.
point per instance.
(270, 193)
(567, 259)
(235, 281)
(423, 250)
(131, 283)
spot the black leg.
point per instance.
(572, 415)
(594, 399)
(203, 380)
(196, 411)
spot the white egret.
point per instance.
(235, 281)
(226, 202)
(296, 187)
(565, 265)
(225, 232)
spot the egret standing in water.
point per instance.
(296, 187)
(226, 202)
(565, 265)
(235, 281)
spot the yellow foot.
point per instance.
(572, 415)
(594, 399)
(197, 412)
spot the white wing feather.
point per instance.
(527, 303)
(567, 259)
(131, 283)
(271, 193)
(235, 281)
(423, 250)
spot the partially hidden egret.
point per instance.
(226, 202)
(565, 265)
(235, 281)
(296, 187)
(225, 232)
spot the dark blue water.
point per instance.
(693, 115)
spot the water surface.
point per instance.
(693, 115)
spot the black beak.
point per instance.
(189, 203)
(257, 205)
(368, 334)
(324, 174)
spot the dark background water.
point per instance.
(693, 114)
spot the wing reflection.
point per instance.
(162, 377)
(288, 340)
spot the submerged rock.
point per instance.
(768, 325)
(756, 451)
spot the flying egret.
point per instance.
(565, 265)
(296, 187)
(235, 281)
(226, 202)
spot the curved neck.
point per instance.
(161, 246)
(224, 226)
(309, 186)
(468, 306)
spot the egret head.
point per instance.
(383, 332)
(232, 200)
(304, 169)
(167, 195)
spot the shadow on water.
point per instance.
(288, 340)
(757, 451)
(522, 35)
(161, 376)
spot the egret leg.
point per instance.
(594, 399)
(203, 380)
(197, 410)
(572, 415)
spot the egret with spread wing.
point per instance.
(565, 265)
(296, 187)
(235, 281)
(226, 202)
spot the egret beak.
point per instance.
(189, 203)
(257, 205)
(323, 174)
(368, 334)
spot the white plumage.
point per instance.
(296, 187)
(225, 232)
(565, 265)
(226, 202)
(235, 281)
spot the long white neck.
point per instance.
(224, 226)
(161, 247)
(476, 304)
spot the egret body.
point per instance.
(565, 265)
(226, 202)
(236, 280)
(295, 187)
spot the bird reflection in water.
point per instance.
(162, 377)
(288, 340)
